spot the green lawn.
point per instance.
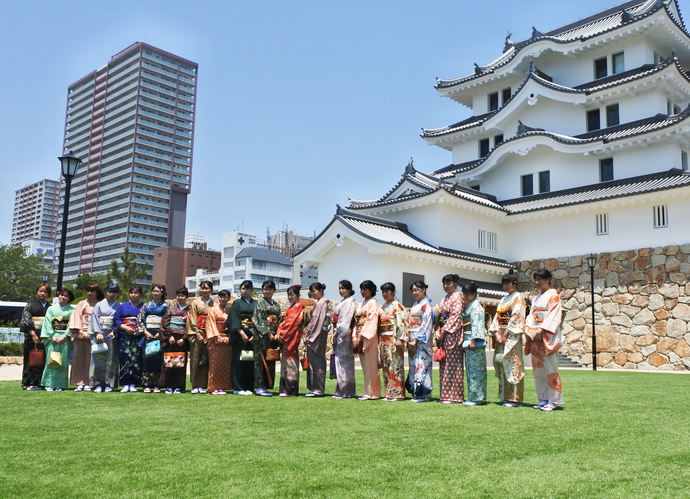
(620, 435)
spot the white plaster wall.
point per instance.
(641, 161)
(552, 116)
(468, 150)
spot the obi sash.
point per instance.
(247, 319)
(60, 324)
(361, 320)
(539, 315)
(201, 322)
(415, 321)
(38, 323)
(87, 319)
(387, 325)
(272, 321)
(129, 321)
(153, 321)
(178, 323)
(222, 326)
(443, 319)
(106, 323)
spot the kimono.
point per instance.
(56, 323)
(290, 331)
(174, 325)
(391, 328)
(219, 354)
(475, 358)
(451, 370)
(130, 354)
(342, 349)
(420, 325)
(544, 339)
(366, 330)
(266, 316)
(150, 319)
(316, 336)
(103, 370)
(241, 317)
(81, 354)
(508, 327)
(32, 320)
(198, 351)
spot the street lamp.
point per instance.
(69, 164)
(592, 261)
(45, 277)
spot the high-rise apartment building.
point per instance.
(131, 122)
(35, 211)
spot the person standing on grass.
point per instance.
(103, 372)
(288, 335)
(366, 334)
(56, 338)
(316, 336)
(392, 343)
(130, 354)
(196, 335)
(219, 347)
(420, 331)
(266, 316)
(474, 345)
(242, 332)
(344, 356)
(31, 324)
(81, 339)
(508, 327)
(149, 323)
(449, 336)
(544, 339)
(173, 335)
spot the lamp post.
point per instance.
(45, 277)
(592, 261)
(69, 164)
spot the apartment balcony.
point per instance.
(153, 105)
(109, 150)
(112, 223)
(115, 84)
(112, 139)
(153, 124)
(187, 70)
(157, 88)
(160, 60)
(160, 69)
(153, 143)
(150, 202)
(122, 65)
(166, 81)
(110, 242)
(153, 95)
(151, 192)
(152, 133)
(144, 230)
(152, 173)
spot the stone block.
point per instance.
(571, 315)
(629, 310)
(649, 289)
(551, 264)
(687, 363)
(658, 260)
(535, 264)
(671, 250)
(639, 301)
(639, 331)
(629, 365)
(615, 266)
(627, 342)
(669, 290)
(607, 341)
(672, 264)
(560, 274)
(566, 294)
(573, 337)
(575, 261)
(622, 320)
(676, 328)
(643, 263)
(687, 338)
(576, 349)
(570, 304)
(673, 358)
(644, 366)
(665, 345)
(578, 324)
(659, 250)
(604, 358)
(681, 311)
(682, 349)
(685, 248)
(679, 277)
(625, 277)
(570, 283)
(645, 317)
(665, 367)
(661, 315)
(656, 359)
(656, 301)
(621, 358)
(635, 357)
(612, 365)
(610, 309)
(627, 298)
(646, 340)
(645, 251)
(612, 279)
(670, 304)
(647, 351)
(634, 288)
(684, 299)
(586, 359)
(659, 328)
(655, 274)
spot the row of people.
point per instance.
(234, 347)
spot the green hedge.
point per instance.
(11, 349)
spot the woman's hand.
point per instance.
(171, 340)
(148, 335)
(99, 338)
(472, 344)
(244, 336)
(35, 338)
(180, 342)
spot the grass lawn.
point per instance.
(621, 434)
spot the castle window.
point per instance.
(544, 181)
(527, 185)
(602, 220)
(672, 108)
(593, 120)
(505, 93)
(484, 147)
(618, 63)
(493, 101)
(657, 57)
(605, 169)
(600, 68)
(660, 214)
(486, 240)
(498, 139)
(684, 160)
(475, 187)
(612, 117)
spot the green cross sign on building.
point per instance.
(241, 240)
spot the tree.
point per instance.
(128, 272)
(19, 273)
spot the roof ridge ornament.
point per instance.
(625, 16)
(522, 128)
(338, 210)
(532, 68)
(535, 33)
(672, 57)
(509, 43)
(409, 169)
(478, 69)
(442, 183)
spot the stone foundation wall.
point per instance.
(641, 306)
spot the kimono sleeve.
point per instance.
(141, 320)
(95, 320)
(193, 319)
(27, 321)
(454, 322)
(427, 322)
(47, 330)
(234, 316)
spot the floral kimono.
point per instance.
(266, 317)
(342, 348)
(55, 326)
(392, 328)
(508, 327)
(317, 331)
(130, 354)
(150, 319)
(420, 328)
(451, 375)
(475, 358)
(290, 332)
(174, 368)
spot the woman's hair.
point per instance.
(470, 288)
(182, 291)
(247, 284)
(542, 274)
(317, 286)
(269, 284)
(419, 284)
(294, 289)
(387, 286)
(68, 292)
(224, 293)
(162, 288)
(347, 285)
(368, 285)
(95, 287)
(207, 283)
(509, 277)
(448, 278)
(45, 286)
(138, 288)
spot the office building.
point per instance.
(35, 211)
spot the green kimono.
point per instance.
(55, 325)
(264, 374)
(241, 317)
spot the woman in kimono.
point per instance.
(219, 347)
(474, 345)
(288, 335)
(130, 354)
(420, 326)
(196, 335)
(316, 335)
(81, 339)
(241, 334)
(149, 323)
(344, 356)
(449, 336)
(31, 324)
(103, 372)
(366, 333)
(266, 315)
(392, 342)
(173, 335)
(56, 338)
(508, 327)
(544, 339)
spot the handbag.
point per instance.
(477, 343)
(37, 358)
(152, 348)
(55, 361)
(272, 355)
(99, 347)
(173, 360)
(305, 364)
(247, 355)
(360, 347)
(440, 355)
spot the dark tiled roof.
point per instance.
(264, 255)
(599, 192)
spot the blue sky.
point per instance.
(300, 104)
